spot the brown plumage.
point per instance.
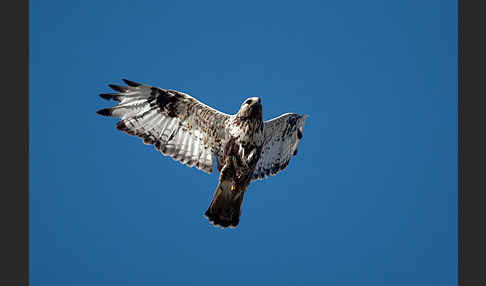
(245, 147)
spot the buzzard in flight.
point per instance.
(246, 147)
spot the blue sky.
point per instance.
(369, 200)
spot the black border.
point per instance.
(472, 144)
(460, 195)
(15, 144)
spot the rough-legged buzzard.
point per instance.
(246, 147)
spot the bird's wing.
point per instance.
(177, 124)
(282, 136)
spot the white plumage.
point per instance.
(179, 126)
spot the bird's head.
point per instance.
(252, 107)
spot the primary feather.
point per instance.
(179, 126)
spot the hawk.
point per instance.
(246, 148)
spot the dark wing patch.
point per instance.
(176, 124)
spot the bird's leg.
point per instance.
(228, 172)
(234, 161)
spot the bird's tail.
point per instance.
(225, 207)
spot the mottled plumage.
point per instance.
(245, 147)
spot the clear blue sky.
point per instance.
(369, 200)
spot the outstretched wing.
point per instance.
(282, 136)
(175, 123)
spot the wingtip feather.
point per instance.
(299, 133)
(109, 96)
(105, 112)
(106, 96)
(131, 83)
(118, 88)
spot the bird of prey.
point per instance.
(246, 148)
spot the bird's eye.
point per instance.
(248, 101)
